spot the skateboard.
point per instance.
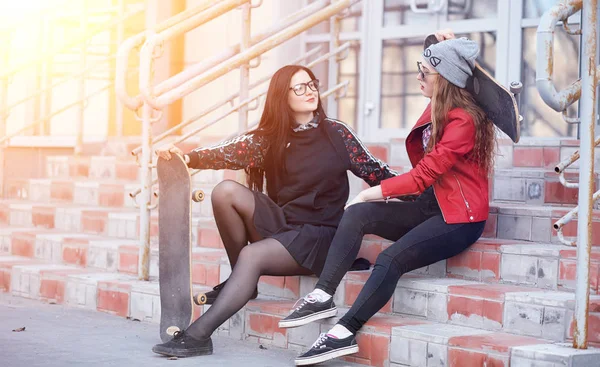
(498, 103)
(174, 247)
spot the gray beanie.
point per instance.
(454, 59)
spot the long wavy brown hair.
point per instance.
(275, 124)
(446, 96)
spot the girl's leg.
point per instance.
(430, 242)
(233, 208)
(388, 220)
(265, 257)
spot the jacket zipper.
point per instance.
(464, 198)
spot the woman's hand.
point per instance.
(166, 151)
(370, 194)
(358, 199)
(444, 34)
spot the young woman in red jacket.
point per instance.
(451, 149)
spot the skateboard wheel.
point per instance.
(200, 299)
(198, 196)
(172, 329)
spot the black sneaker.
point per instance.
(183, 345)
(328, 347)
(211, 296)
(311, 309)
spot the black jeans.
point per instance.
(421, 237)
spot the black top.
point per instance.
(314, 188)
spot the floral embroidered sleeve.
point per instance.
(362, 163)
(245, 151)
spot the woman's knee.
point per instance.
(225, 191)
(354, 215)
(387, 260)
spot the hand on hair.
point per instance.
(444, 34)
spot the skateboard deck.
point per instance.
(174, 247)
(498, 103)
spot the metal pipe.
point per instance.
(587, 112)
(559, 101)
(242, 57)
(201, 67)
(573, 157)
(333, 72)
(572, 214)
(122, 64)
(244, 68)
(565, 183)
(81, 85)
(230, 98)
(146, 174)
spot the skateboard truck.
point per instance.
(516, 88)
(198, 195)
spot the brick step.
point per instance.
(490, 260)
(536, 186)
(118, 222)
(534, 223)
(386, 340)
(97, 192)
(209, 266)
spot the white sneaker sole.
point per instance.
(308, 319)
(327, 356)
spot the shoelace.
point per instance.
(307, 299)
(321, 340)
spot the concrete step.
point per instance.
(534, 223)
(386, 340)
(535, 186)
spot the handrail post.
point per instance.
(587, 109)
(119, 107)
(81, 85)
(144, 201)
(244, 68)
(334, 43)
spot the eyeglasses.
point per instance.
(422, 73)
(300, 89)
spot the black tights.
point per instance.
(233, 207)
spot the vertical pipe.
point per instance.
(587, 109)
(81, 86)
(119, 110)
(245, 68)
(145, 195)
(334, 43)
(3, 113)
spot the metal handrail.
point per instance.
(129, 44)
(70, 77)
(325, 94)
(57, 112)
(136, 102)
(79, 41)
(194, 83)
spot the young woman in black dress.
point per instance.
(303, 157)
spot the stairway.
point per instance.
(71, 237)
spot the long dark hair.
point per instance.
(275, 124)
(447, 96)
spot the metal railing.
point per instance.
(242, 57)
(583, 90)
(87, 32)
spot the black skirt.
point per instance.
(308, 244)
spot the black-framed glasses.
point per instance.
(422, 73)
(300, 89)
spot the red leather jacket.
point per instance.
(460, 186)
